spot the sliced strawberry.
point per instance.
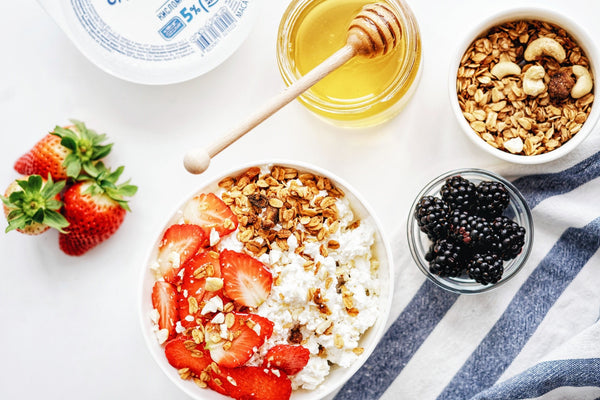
(264, 328)
(241, 343)
(251, 383)
(246, 280)
(196, 270)
(287, 358)
(164, 300)
(179, 244)
(209, 211)
(182, 352)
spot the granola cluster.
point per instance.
(287, 197)
(501, 111)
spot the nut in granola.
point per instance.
(524, 113)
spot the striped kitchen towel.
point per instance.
(536, 337)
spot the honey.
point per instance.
(362, 92)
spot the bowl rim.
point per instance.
(387, 289)
(441, 282)
(543, 13)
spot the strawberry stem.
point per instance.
(104, 181)
(85, 144)
(35, 202)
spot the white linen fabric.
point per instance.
(536, 337)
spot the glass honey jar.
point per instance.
(363, 92)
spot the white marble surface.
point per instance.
(70, 328)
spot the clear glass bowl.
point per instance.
(419, 243)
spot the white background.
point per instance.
(69, 325)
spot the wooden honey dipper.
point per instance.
(374, 32)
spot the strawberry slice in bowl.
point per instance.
(210, 213)
(251, 382)
(178, 244)
(183, 352)
(164, 301)
(246, 280)
(287, 358)
(232, 338)
(201, 281)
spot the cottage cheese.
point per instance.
(287, 306)
(349, 271)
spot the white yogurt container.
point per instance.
(155, 41)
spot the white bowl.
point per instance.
(337, 376)
(528, 13)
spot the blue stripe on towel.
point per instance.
(536, 188)
(545, 377)
(429, 306)
(525, 312)
(399, 343)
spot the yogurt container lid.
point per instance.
(155, 41)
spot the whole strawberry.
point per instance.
(31, 205)
(95, 208)
(64, 152)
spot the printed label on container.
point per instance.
(159, 30)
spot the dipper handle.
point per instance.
(374, 32)
(197, 161)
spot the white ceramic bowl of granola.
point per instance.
(484, 121)
(368, 340)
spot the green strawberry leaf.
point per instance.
(5, 200)
(38, 216)
(14, 214)
(19, 222)
(128, 190)
(105, 182)
(69, 142)
(16, 197)
(91, 170)
(113, 177)
(101, 152)
(72, 164)
(54, 204)
(34, 201)
(51, 190)
(85, 145)
(35, 183)
(55, 220)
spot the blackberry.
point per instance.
(446, 258)
(459, 193)
(472, 230)
(508, 238)
(492, 199)
(485, 268)
(431, 214)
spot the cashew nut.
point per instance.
(514, 145)
(584, 82)
(545, 47)
(533, 80)
(504, 68)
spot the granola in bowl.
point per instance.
(285, 282)
(523, 86)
